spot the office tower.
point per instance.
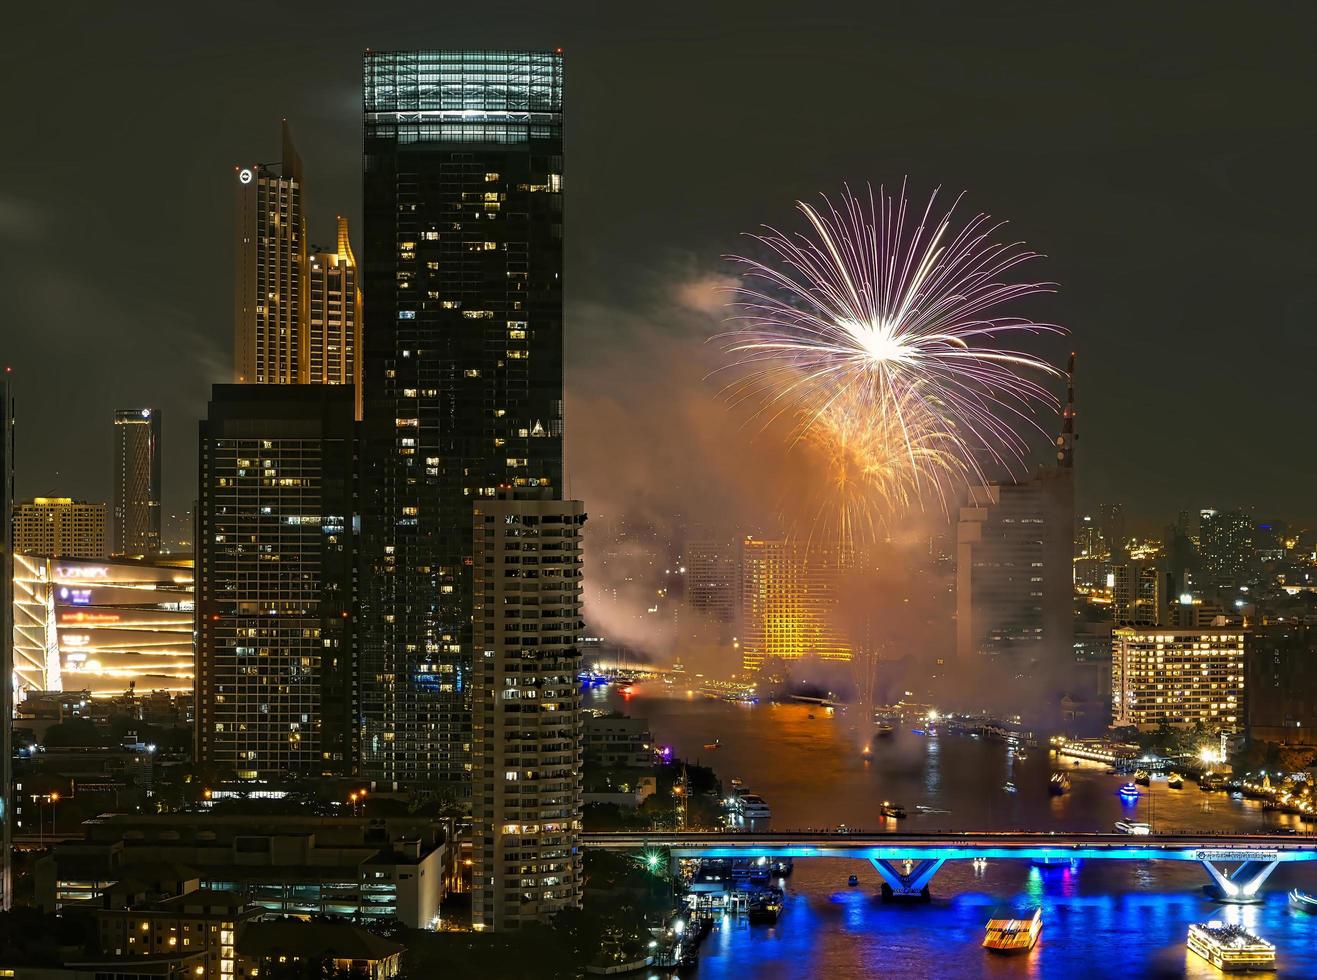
(103, 626)
(789, 596)
(713, 583)
(333, 317)
(1178, 677)
(1225, 544)
(270, 271)
(1111, 522)
(60, 527)
(527, 735)
(6, 632)
(462, 275)
(1282, 683)
(137, 449)
(1092, 557)
(276, 584)
(1137, 594)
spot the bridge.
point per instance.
(908, 862)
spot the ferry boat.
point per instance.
(1211, 781)
(1174, 781)
(1009, 935)
(1231, 949)
(1129, 792)
(1303, 902)
(1060, 783)
(754, 807)
(891, 811)
(1134, 828)
(1142, 777)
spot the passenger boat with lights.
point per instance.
(1012, 935)
(1230, 948)
(1060, 783)
(891, 811)
(1303, 902)
(1175, 781)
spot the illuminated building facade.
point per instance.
(6, 633)
(1092, 559)
(137, 450)
(333, 317)
(60, 527)
(789, 600)
(270, 271)
(527, 734)
(276, 584)
(102, 626)
(1178, 677)
(462, 273)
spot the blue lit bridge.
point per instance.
(908, 862)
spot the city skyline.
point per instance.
(1098, 227)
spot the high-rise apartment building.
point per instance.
(276, 581)
(137, 449)
(1138, 595)
(527, 731)
(60, 527)
(1282, 683)
(270, 271)
(462, 275)
(333, 316)
(1225, 545)
(1178, 677)
(713, 583)
(6, 633)
(789, 602)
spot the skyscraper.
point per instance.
(269, 285)
(276, 582)
(1178, 677)
(790, 597)
(527, 735)
(462, 279)
(137, 449)
(60, 527)
(1225, 544)
(333, 317)
(6, 632)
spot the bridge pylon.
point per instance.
(1242, 885)
(906, 879)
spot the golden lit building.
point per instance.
(789, 601)
(1178, 677)
(270, 271)
(333, 317)
(61, 527)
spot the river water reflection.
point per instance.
(1101, 918)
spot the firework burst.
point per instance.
(880, 333)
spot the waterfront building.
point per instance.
(527, 733)
(333, 316)
(276, 582)
(103, 626)
(616, 740)
(1282, 683)
(366, 869)
(60, 527)
(1178, 677)
(137, 453)
(462, 274)
(789, 601)
(269, 288)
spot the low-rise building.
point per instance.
(338, 946)
(135, 921)
(616, 740)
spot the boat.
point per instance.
(1011, 935)
(1129, 792)
(1134, 828)
(1142, 777)
(853, 880)
(1230, 948)
(891, 811)
(1060, 783)
(1211, 781)
(1303, 902)
(765, 906)
(883, 730)
(713, 745)
(1010, 787)
(1174, 781)
(1022, 755)
(755, 807)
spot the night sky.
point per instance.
(1162, 157)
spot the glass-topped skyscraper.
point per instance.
(462, 376)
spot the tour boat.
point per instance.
(1174, 781)
(754, 807)
(1129, 792)
(713, 745)
(1134, 828)
(1009, 935)
(1142, 777)
(765, 906)
(891, 811)
(1303, 902)
(1231, 949)
(1060, 783)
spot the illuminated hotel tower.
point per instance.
(136, 482)
(60, 527)
(789, 602)
(270, 271)
(333, 317)
(462, 274)
(526, 698)
(276, 583)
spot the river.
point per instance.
(1101, 918)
